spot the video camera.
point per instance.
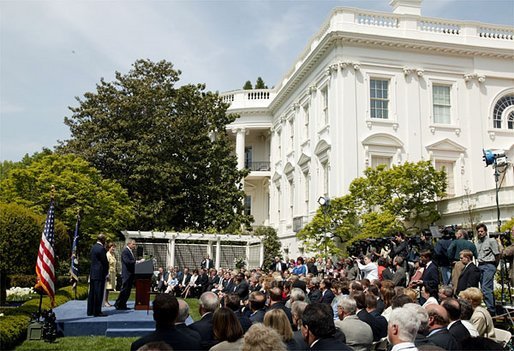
(505, 237)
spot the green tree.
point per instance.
(271, 245)
(7, 166)
(248, 85)
(20, 233)
(167, 146)
(259, 84)
(105, 205)
(378, 204)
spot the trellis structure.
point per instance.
(173, 249)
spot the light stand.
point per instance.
(498, 159)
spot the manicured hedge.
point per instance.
(14, 323)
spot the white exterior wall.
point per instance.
(354, 46)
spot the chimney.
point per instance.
(406, 7)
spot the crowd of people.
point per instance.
(390, 299)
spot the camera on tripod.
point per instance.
(505, 237)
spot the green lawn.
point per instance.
(90, 343)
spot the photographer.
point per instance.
(368, 268)
(400, 248)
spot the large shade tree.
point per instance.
(378, 204)
(167, 145)
(105, 205)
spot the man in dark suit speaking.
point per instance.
(128, 266)
(97, 275)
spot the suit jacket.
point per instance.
(282, 306)
(203, 264)
(459, 331)
(331, 344)
(359, 335)
(203, 280)
(274, 266)
(99, 263)
(241, 289)
(188, 278)
(173, 337)
(444, 339)
(399, 277)
(298, 337)
(182, 327)
(430, 276)
(128, 264)
(246, 323)
(314, 295)
(327, 296)
(204, 328)
(469, 277)
(380, 323)
(258, 316)
(370, 320)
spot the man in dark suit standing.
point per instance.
(207, 263)
(128, 266)
(318, 328)
(165, 311)
(278, 265)
(209, 302)
(98, 273)
(470, 274)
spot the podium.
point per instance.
(143, 274)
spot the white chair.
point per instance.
(502, 336)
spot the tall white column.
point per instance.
(240, 147)
(247, 254)
(171, 251)
(218, 253)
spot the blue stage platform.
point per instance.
(72, 320)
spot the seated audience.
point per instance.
(481, 318)
(318, 328)
(165, 312)
(438, 333)
(359, 335)
(209, 302)
(402, 330)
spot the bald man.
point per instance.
(438, 333)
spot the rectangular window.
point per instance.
(325, 170)
(291, 134)
(306, 121)
(248, 157)
(291, 198)
(379, 98)
(324, 102)
(380, 160)
(441, 104)
(248, 205)
(448, 167)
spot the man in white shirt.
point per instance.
(402, 330)
(369, 270)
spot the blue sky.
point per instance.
(53, 51)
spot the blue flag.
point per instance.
(74, 268)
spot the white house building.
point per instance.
(376, 88)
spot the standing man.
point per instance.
(460, 243)
(278, 265)
(97, 275)
(488, 257)
(207, 263)
(470, 274)
(128, 266)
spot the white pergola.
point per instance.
(211, 239)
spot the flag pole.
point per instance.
(45, 261)
(74, 256)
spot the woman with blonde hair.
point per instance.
(262, 338)
(110, 283)
(481, 318)
(227, 330)
(277, 319)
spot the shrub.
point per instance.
(14, 323)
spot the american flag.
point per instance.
(74, 268)
(45, 258)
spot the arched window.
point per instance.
(500, 112)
